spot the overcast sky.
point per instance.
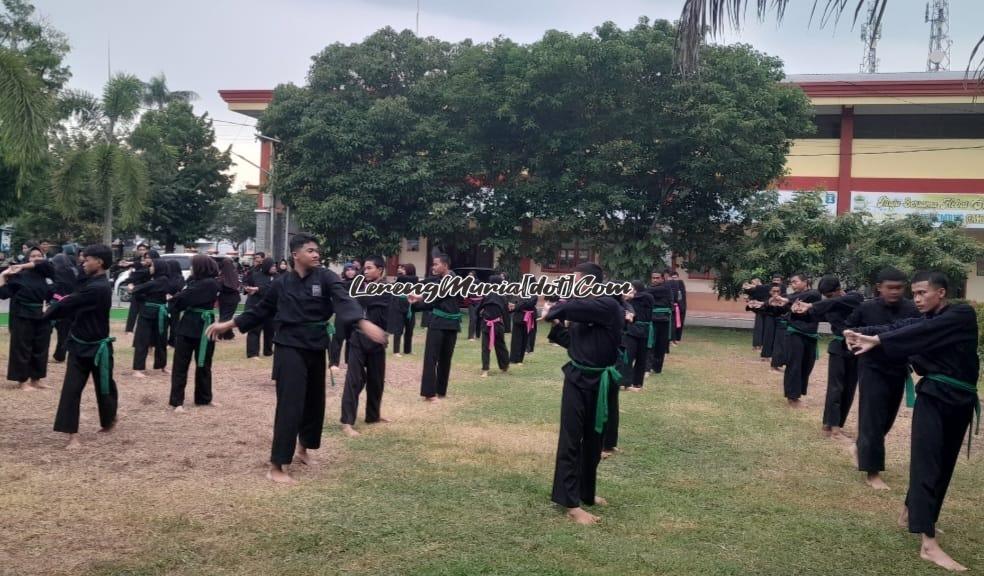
(209, 45)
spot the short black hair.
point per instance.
(890, 274)
(638, 286)
(444, 258)
(203, 266)
(102, 252)
(591, 269)
(828, 284)
(299, 240)
(260, 254)
(801, 275)
(935, 279)
(377, 261)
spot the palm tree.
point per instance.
(158, 95)
(99, 167)
(715, 16)
(25, 113)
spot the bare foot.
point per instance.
(601, 501)
(178, 409)
(40, 385)
(110, 428)
(635, 388)
(605, 454)
(776, 370)
(826, 431)
(398, 355)
(139, 374)
(484, 374)
(26, 386)
(349, 431)
(904, 517)
(795, 403)
(254, 357)
(876, 482)
(931, 552)
(582, 516)
(518, 364)
(432, 399)
(303, 456)
(334, 369)
(381, 421)
(165, 372)
(279, 475)
(73, 442)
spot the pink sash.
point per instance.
(491, 325)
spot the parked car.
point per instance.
(184, 260)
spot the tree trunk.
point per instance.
(108, 220)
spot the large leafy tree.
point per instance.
(364, 160)
(235, 220)
(187, 173)
(31, 74)
(96, 164)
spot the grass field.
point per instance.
(716, 476)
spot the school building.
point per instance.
(891, 144)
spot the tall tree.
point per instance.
(235, 220)
(98, 166)
(158, 95)
(186, 172)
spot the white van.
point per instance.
(183, 258)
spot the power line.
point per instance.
(883, 152)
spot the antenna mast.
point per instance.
(870, 35)
(938, 18)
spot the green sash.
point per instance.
(910, 389)
(101, 360)
(208, 317)
(669, 325)
(651, 340)
(790, 329)
(966, 387)
(608, 374)
(409, 309)
(456, 316)
(162, 316)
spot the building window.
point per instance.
(568, 256)
(828, 126)
(914, 126)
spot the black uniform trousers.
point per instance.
(768, 335)
(758, 330)
(634, 370)
(62, 328)
(779, 347)
(300, 414)
(366, 370)
(148, 334)
(842, 382)
(801, 356)
(658, 352)
(185, 348)
(938, 430)
(579, 446)
(29, 343)
(136, 306)
(519, 343)
(253, 340)
(474, 323)
(531, 339)
(880, 399)
(77, 372)
(438, 350)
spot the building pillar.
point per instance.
(846, 158)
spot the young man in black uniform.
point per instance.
(640, 338)
(524, 323)
(842, 368)
(802, 340)
(442, 334)
(490, 312)
(595, 327)
(90, 348)
(942, 347)
(662, 319)
(302, 302)
(882, 380)
(366, 358)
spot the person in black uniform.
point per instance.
(151, 328)
(66, 280)
(491, 309)
(882, 380)
(138, 275)
(90, 348)
(30, 334)
(194, 309)
(942, 347)
(640, 338)
(302, 302)
(595, 328)
(366, 358)
(662, 319)
(524, 320)
(442, 334)
(802, 338)
(257, 285)
(755, 291)
(335, 349)
(228, 293)
(402, 310)
(679, 305)
(176, 280)
(842, 368)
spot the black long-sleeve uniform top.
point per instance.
(643, 305)
(302, 306)
(877, 312)
(89, 306)
(66, 280)
(447, 304)
(139, 274)
(595, 327)
(259, 280)
(377, 310)
(836, 311)
(662, 298)
(154, 291)
(942, 343)
(802, 322)
(200, 294)
(758, 293)
(400, 305)
(523, 305)
(28, 290)
(492, 306)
